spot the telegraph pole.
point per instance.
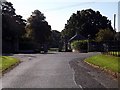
(114, 26)
(114, 21)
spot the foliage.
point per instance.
(13, 28)
(106, 62)
(26, 44)
(79, 45)
(12, 24)
(55, 39)
(37, 28)
(86, 22)
(104, 34)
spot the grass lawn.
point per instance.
(6, 62)
(106, 62)
(53, 49)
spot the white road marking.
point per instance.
(74, 78)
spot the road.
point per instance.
(54, 70)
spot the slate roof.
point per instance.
(77, 37)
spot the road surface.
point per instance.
(54, 70)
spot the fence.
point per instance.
(105, 46)
(111, 46)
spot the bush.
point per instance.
(79, 45)
(104, 34)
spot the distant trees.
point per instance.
(37, 27)
(13, 26)
(15, 30)
(86, 22)
(55, 39)
(36, 31)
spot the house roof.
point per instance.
(77, 37)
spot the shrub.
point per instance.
(79, 44)
(104, 34)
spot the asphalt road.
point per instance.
(55, 70)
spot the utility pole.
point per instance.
(114, 29)
(114, 25)
(114, 21)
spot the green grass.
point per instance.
(105, 61)
(53, 49)
(6, 62)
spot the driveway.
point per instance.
(55, 70)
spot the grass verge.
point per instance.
(106, 62)
(7, 62)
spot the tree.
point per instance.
(55, 39)
(104, 34)
(38, 27)
(86, 22)
(12, 26)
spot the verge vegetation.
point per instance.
(7, 62)
(106, 62)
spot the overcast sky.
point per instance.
(57, 12)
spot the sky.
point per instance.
(119, 16)
(57, 12)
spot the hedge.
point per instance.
(80, 44)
